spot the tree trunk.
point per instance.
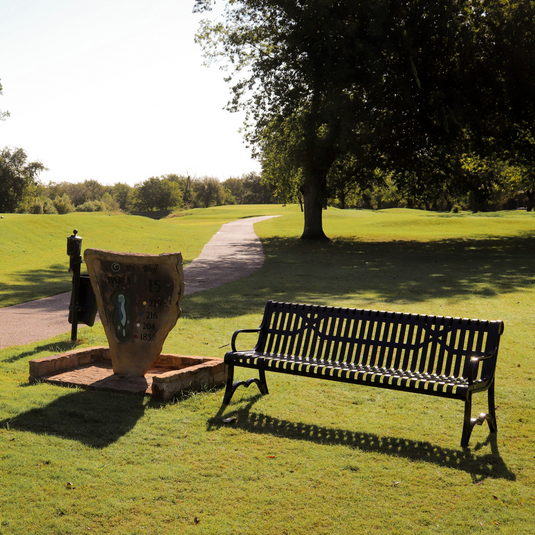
(342, 198)
(321, 153)
(367, 200)
(530, 195)
(473, 201)
(313, 201)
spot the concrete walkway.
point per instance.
(234, 252)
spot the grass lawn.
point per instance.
(33, 248)
(313, 456)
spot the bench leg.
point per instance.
(232, 386)
(229, 390)
(493, 425)
(467, 425)
(262, 384)
(470, 422)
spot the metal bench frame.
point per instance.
(434, 355)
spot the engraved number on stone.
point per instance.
(154, 285)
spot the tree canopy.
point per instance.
(338, 89)
(157, 193)
(3, 114)
(17, 176)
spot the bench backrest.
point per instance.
(420, 343)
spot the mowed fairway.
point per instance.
(313, 456)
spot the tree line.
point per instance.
(21, 191)
(502, 186)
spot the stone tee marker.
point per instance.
(138, 298)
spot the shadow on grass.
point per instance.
(489, 465)
(36, 283)
(154, 214)
(97, 419)
(54, 347)
(398, 272)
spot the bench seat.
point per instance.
(440, 385)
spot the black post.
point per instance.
(74, 250)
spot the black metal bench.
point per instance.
(433, 355)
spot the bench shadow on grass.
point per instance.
(482, 467)
(94, 418)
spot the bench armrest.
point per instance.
(474, 363)
(235, 335)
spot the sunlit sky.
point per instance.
(115, 90)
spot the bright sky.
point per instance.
(115, 90)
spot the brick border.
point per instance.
(91, 368)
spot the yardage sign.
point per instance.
(138, 299)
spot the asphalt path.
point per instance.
(233, 252)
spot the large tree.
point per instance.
(122, 193)
(402, 81)
(208, 192)
(157, 194)
(17, 176)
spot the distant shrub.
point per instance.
(109, 203)
(63, 204)
(99, 206)
(36, 207)
(88, 206)
(48, 207)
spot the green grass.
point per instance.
(33, 248)
(313, 456)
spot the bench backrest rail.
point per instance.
(421, 343)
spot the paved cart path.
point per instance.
(233, 252)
